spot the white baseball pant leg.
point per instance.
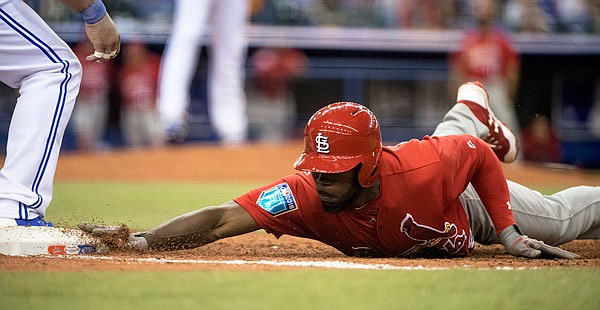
(36, 61)
(227, 104)
(570, 214)
(180, 60)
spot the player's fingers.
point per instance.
(106, 230)
(87, 227)
(98, 230)
(533, 253)
(531, 248)
(557, 252)
(115, 48)
(112, 50)
(103, 55)
(96, 56)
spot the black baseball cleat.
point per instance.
(500, 138)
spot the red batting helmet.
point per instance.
(339, 137)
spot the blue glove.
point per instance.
(518, 244)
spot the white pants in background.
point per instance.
(227, 53)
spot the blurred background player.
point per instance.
(226, 98)
(271, 101)
(90, 115)
(539, 142)
(138, 88)
(486, 54)
(34, 59)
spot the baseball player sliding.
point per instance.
(431, 197)
(47, 73)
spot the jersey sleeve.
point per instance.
(277, 207)
(467, 159)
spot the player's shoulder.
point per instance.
(419, 145)
(451, 143)
(417, 153)
(409, 155)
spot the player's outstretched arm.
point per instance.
(201, 227)
(99, 28)
(187, 231)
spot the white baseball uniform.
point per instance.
(227, 102)
(570, 214)
(34, 59)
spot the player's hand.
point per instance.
(116, 237)
(518, 244)
(105, 39)
(103, 230)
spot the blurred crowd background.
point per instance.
(399, 57)
(549, 16)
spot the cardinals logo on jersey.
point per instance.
(447, 239)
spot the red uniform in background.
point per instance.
(540, 143)
(139, 86)
(96, 75)
(418, 208)
(90, 115)
(485, 56)
(139, 78)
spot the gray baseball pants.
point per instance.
(573, 213)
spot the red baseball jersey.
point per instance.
(485, 57)
(139, 82)
(418, 208)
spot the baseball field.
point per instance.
(141, 188)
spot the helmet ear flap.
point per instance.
(369, 173)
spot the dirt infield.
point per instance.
(265, 163)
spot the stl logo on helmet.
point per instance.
(322, 143)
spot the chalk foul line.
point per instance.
(335, 264)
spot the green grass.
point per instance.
(142, 205)
(314, 289)
(138, 205)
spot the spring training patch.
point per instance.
(277, 199)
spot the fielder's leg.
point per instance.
(570, 214)
(47, 73)
(472, 115)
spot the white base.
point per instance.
(37, 240)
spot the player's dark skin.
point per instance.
(337, 191)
